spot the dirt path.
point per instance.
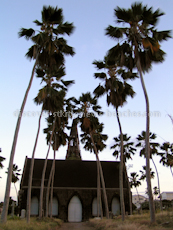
(74, 226)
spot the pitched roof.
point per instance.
(73, 173)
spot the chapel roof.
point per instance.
(73, 173)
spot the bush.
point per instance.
(145, 205)
(166, 204)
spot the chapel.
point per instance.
(75, 185)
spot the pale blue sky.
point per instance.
(90, 18)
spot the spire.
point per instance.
(73, 151)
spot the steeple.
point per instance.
(73, 151)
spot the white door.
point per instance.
(94, 207)
(116, 206)
(34, 206)
(54, 207)
(75, 210)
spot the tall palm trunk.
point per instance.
(47, 192)
(130, 195)
(10, 167)
(28, 208)
(51, 194)
(138, 199)
(121, 170)
(171, 171)
(158, 183)
(99, 200)
(147, 144)
(43, 173)
(16, 194)
(102, 178)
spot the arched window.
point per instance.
(75, 210)
(115, 206)
(54, 207)
(94, 207)
(34, 206)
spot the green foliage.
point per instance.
(155, 191)
(143, 173)
(167, 204)
(87, 109)
(145, 205)
(15, 173)
(166, 154)
(10, 206)
(35, 224)
(59, 136)
(128, 148)
(114, 85)
(98, 137)
(134, 182)
(135, 222)
(1, 165)
(139, 33)
(153, 145)
(48, 48)
(1, 160)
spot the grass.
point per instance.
(35, 224)
(164, 221)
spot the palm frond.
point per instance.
(38, 23)
(99, 91)
(65, 28)
(100, 75)
(27, 33)
(99, 64)
(115, 32)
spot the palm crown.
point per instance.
(153, 145)
(140, 33)
(166, 154)
(115, 86)
(128, 147)
(134, 182)
(48, 47)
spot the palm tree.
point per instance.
(167, 155)
(54, 104)
(117, 92)
(55, 137)
(1, 160)
(134, 182)
(48, 49)
(52, 101)
(128, 147)
(129, 150)
(153, 151)
(87, 106)
(144, 173)
(94, 142)
(51, 133)
(59, 139)
(142, 39)
(15, 175)
(155, 192)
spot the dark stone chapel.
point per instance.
(75, 185)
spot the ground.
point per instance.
(74, 226)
